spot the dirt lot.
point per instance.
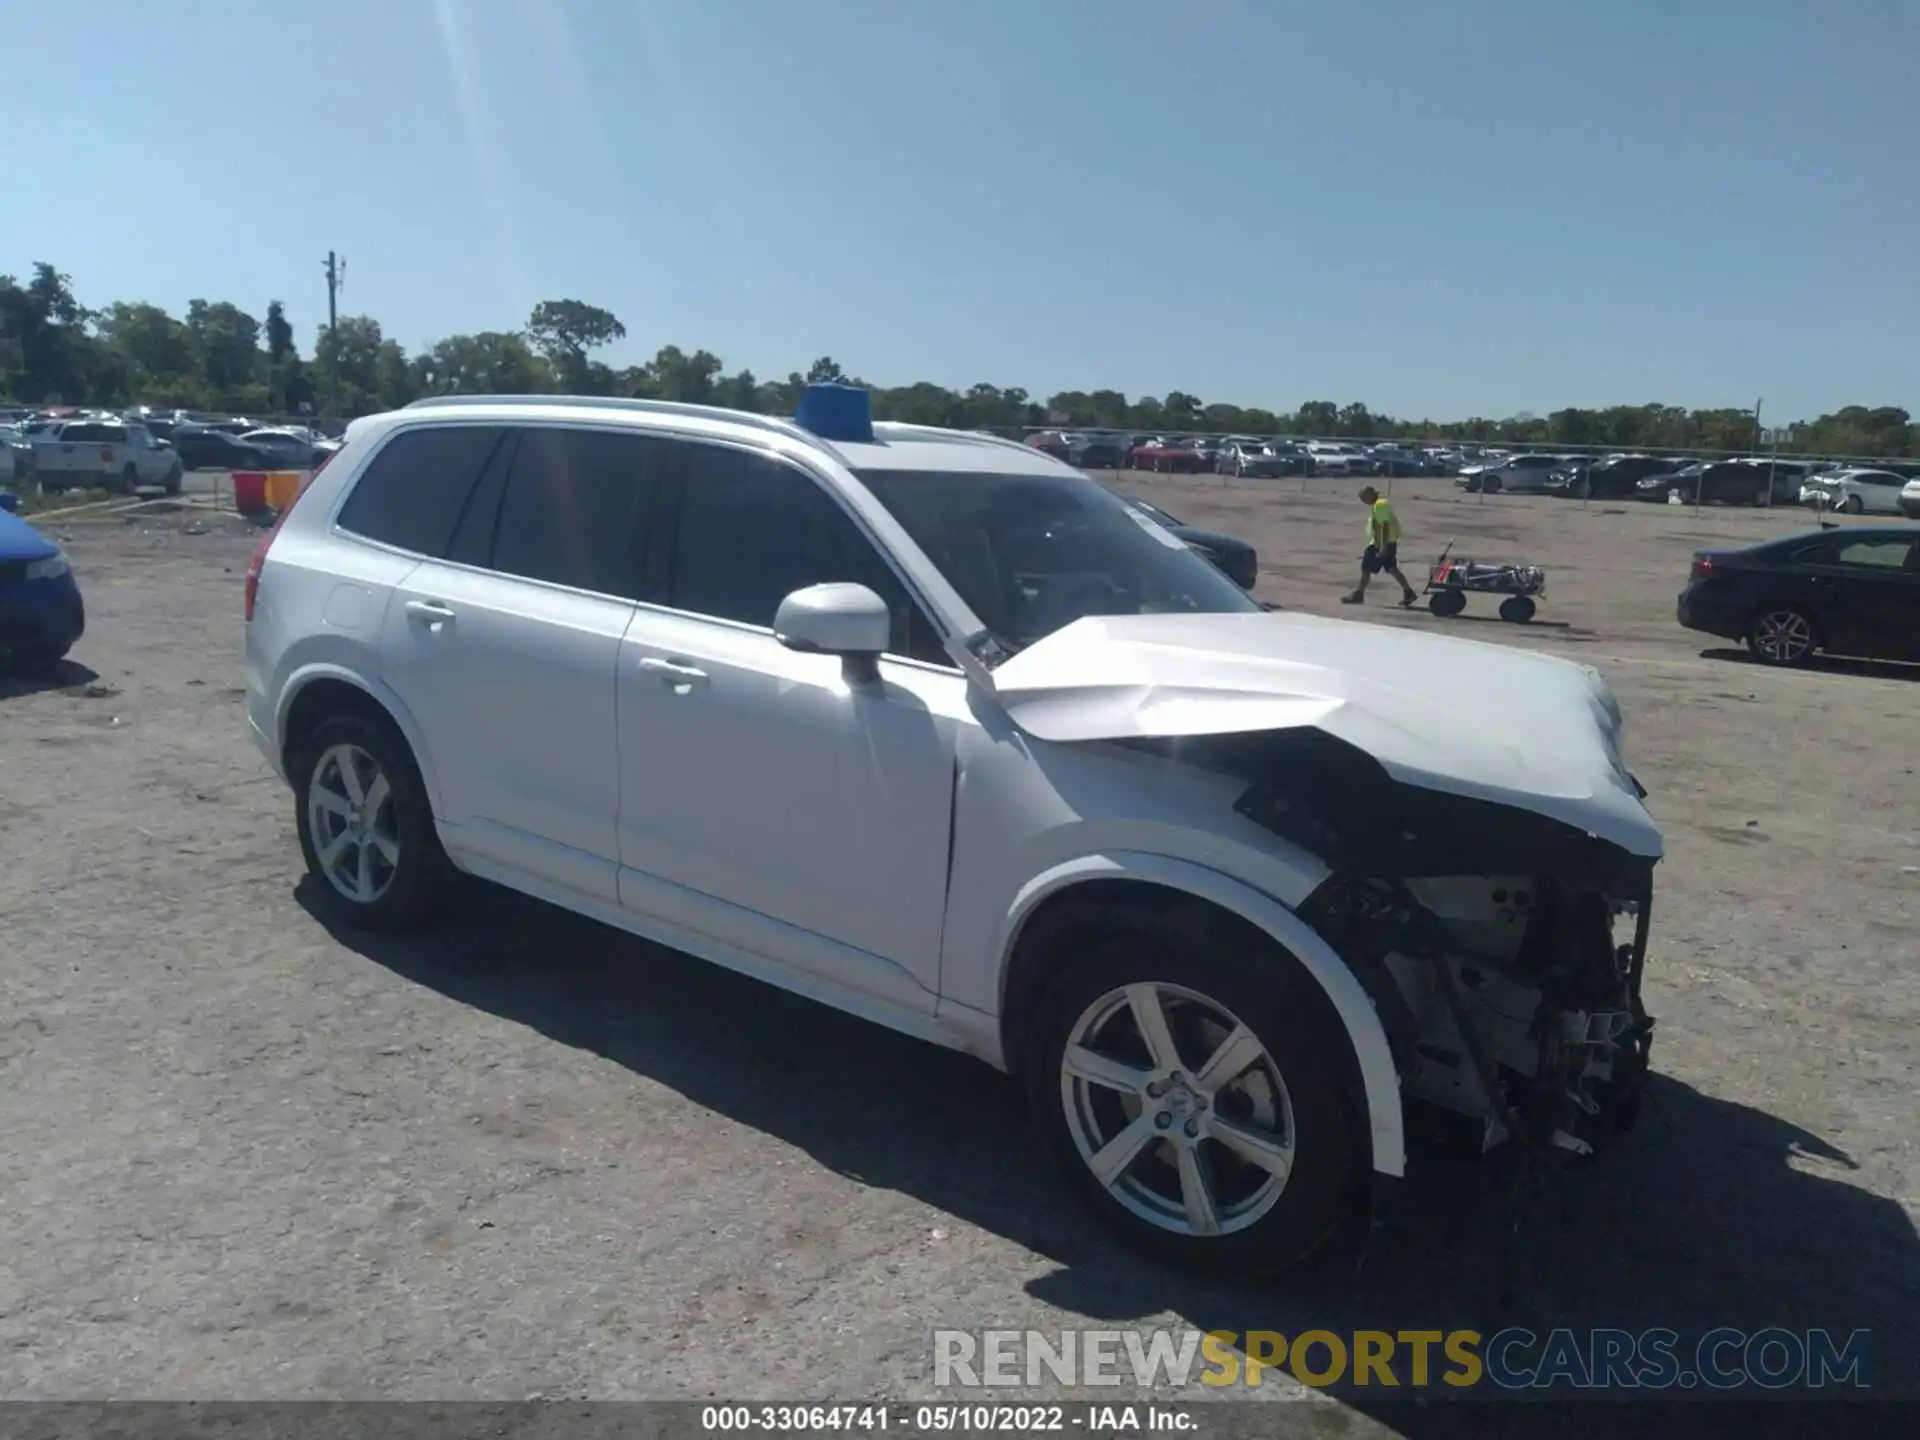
(247, 1157)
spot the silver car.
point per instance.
(107, 454)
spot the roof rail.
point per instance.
(616, 402)
(901, 430)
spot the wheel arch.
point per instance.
(317, 691)
(1143, 881)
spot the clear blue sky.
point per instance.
(1436, 207)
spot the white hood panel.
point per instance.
(1459, 716)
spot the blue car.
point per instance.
(41, 615)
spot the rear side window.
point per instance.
(573, 505)
(411, 494)
(1881, 554)
(752, 530)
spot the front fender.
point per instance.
(1379, 1077)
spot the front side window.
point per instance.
(412, 492)
(1033, 553)
(753, 529)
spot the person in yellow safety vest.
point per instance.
(1383, 549)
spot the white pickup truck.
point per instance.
(109, 454)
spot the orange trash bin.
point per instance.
(283, 488)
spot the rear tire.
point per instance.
(1517, 609)
(1266, 1199)
(384, 868)
(1783, 635)
(129, 480)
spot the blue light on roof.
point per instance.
(836, 412)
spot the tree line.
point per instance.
(54, 350)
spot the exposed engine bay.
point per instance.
(1503, 949)
(1508, 1000)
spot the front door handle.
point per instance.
(681, 676)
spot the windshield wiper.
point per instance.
(991, 649)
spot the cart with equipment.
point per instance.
(1450, 581)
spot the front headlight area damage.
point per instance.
(1503, 949)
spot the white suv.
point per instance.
(930, 727)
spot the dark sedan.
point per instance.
(1615, 478)
(1848, 590)
(1095, 451)
(204, 448)
(1235, 558)
(1724, 480)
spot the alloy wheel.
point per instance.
(1178, 1109)
(351, 819)
(1783, 636)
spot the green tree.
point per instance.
(228, 342)
(675, 375)
(564, 331)
(43, 337)
(492, 362)
(160, 355)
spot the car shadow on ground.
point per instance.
(1708, 1213)
(64, 676)
(1821, 664)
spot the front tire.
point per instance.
(1190, 1086)
(1783, 636)
(366, 827)
(1855, 505)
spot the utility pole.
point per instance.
(336, 277)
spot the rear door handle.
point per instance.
(674, 672)
(430, 610)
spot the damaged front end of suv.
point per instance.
(1488, 859)
(1503, 949)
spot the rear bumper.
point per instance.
(1698, 611)
(41, 614)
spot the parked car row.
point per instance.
(1660, 479)
(65, 448)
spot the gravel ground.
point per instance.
(248, 1157)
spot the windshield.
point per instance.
(1031, 554)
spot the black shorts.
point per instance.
(1380, 558)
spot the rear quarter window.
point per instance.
(412, 492)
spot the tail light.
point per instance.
(259, 560)
(1703, 567)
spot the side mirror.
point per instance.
(839, 619)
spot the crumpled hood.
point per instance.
(1460, 716)
(20, 541)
